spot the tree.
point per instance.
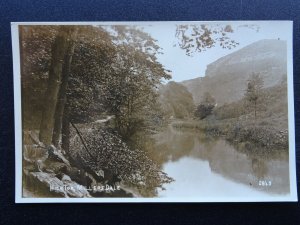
(206, 106)
(131, 90)
(59, 50)
(62, 97)
(199, 37)
(36, 43)
(83, 101)
(254, 90)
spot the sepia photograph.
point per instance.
(154, 111)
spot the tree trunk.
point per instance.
(65, 131)
(54, 81)
(62, 97)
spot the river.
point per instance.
(207, 167)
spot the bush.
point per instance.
(206, 106)
(203, 110)
(108, 152)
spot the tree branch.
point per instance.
(82, 140)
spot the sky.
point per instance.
(185, 67)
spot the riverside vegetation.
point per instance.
(238, 123)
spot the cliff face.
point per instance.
(226, 78)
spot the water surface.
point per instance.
(203, 166)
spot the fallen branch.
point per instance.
(82, 140)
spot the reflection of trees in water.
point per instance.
(251, 168)
(239, 163)
(172, 145)
(253, 151)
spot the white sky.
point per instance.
(185, 67)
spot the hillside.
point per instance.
(176, 100)
(226, 78)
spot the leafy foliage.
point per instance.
(197, 38)
(130, 90)
(230, 110)
(176, 100)
(94, 50)
(110, 153)
(206, 107)
(254, 90)
(36, 43)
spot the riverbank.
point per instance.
(245, 132)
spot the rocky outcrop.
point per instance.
(226, 78)
(47, 172)
(265, 56)
(47, 184)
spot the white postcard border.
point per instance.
(18, 125)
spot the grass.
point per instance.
(249, 132)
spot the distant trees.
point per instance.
(230, 110)
(254, 92)
(176, 101)
(205, 107)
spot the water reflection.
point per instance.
(205, 166)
